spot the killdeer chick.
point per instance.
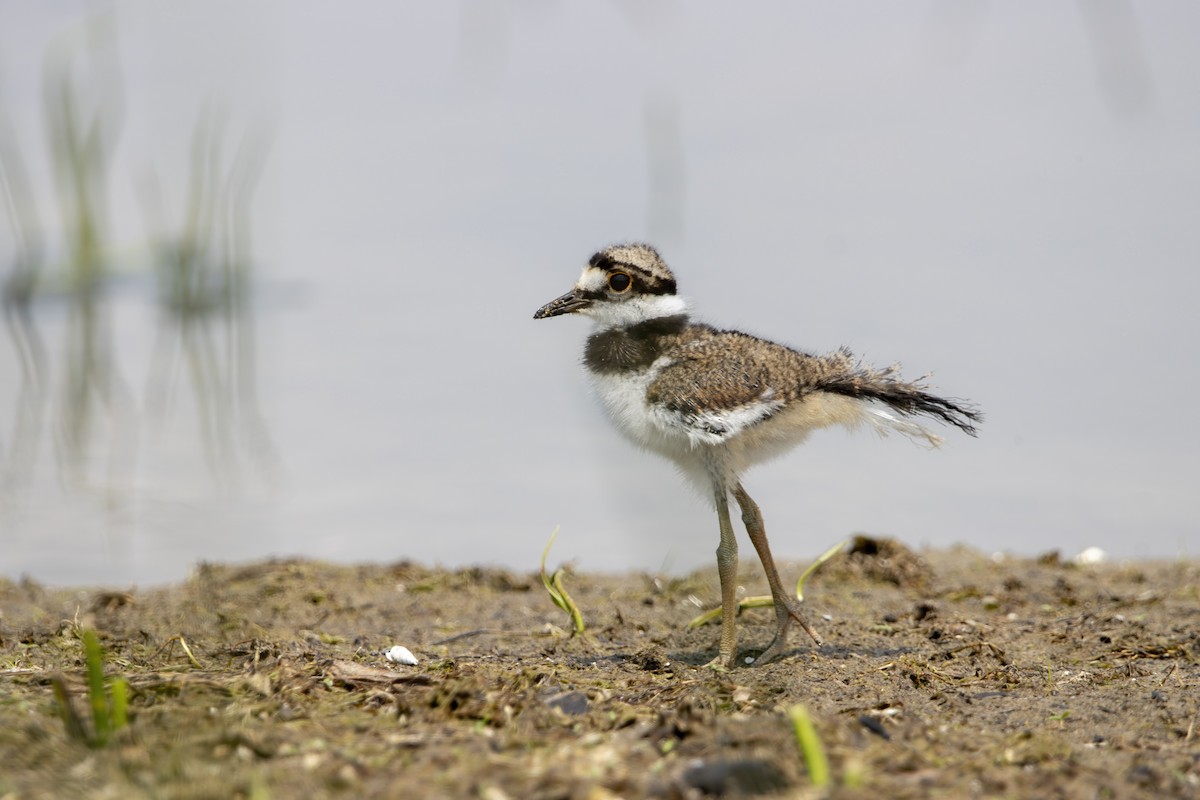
(719, 401)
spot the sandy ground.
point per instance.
(944, 674)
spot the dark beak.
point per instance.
(569, 303)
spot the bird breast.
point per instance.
(623, 395)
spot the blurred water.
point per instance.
(301, 320)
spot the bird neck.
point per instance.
(636, 311)
(632, 347)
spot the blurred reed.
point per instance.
(203, 272)
(70, 383)
(96, 416)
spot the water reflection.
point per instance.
(16, 295)
(203, 271)
(61, 288)
(84, 110)
(82, 115)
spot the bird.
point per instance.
(717, 402)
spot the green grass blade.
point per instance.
(558, 592)
(547, 580)
(568, 603)
(120, 703)
(810, 746)
(711, 615)
(828, 554)
(546, 551)
(758, 601)
(94, 659)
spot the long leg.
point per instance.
(727, 569)
(787, 608)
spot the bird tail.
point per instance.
(851, 378)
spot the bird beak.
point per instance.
(569, 303)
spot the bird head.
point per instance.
(620, 286)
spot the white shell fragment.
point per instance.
(1092, 555)
(401, 655)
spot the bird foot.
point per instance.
(791, 613)
(774, 650)
(722, 663)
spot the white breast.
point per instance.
(623, 395)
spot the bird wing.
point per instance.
(713, 385)
(713, 393)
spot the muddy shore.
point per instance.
(943, 674)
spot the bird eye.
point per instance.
(619, 282)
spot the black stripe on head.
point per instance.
(642, 262)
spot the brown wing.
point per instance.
(721, 382)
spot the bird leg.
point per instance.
(727, 570)
(787, 608)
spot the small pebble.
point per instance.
(401, 655)
(1092, 555)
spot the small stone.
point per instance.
(742, 777)
(571, 703)
(401, 655)
(1091, 555)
